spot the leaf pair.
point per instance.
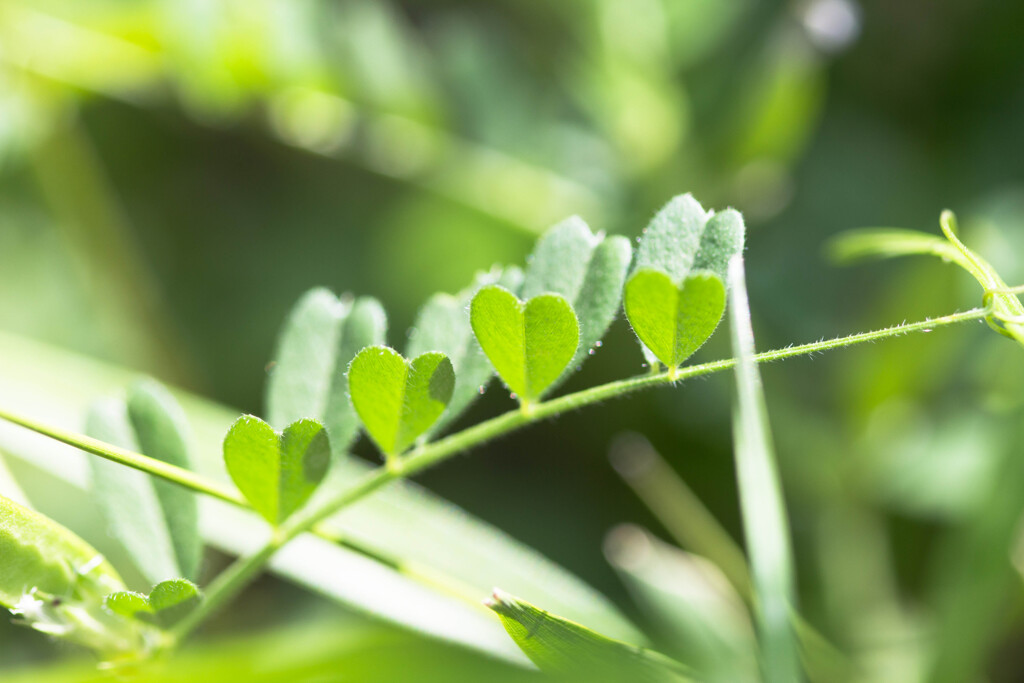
(156, 521)
(675, 297)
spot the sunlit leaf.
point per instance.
(674, 321)
(529, 343)
(399, 399)
(276, 472)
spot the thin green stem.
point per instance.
(428, 455)
(122, 456)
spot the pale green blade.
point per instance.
(402, 521)
(560, 260)
(765, 524)
(560, 646)
(162, 433)
(442, 324)
(128, 497)
(722, 239)
(299, 379)
(703, 620)
(671, 240)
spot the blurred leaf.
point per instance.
(37, 554)
(136, 515)
(558, 645)
(277, 473)
(529, 343)
(160, 429)
(704, 620)
(314, 652)
(443, 325)
(315, 346)
(674, 321)
(587, 269)
(765, 523)
(167, 601)
(399, 399)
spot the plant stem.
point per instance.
(122, 456)
(236, 577)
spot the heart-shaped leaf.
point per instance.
(529, 343)
(277, 473)
(674, 321)
(398, 399)
(587, 269)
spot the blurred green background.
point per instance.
(174, 174)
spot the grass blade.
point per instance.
(764, 515)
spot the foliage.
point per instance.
(674, 300)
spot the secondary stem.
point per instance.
(236, 577)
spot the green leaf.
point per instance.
(156, 522)
(674, 321)
(443, 325)
(530, 343)
(398, 400)
(765, 523)
(168, 601)
(701, 617)
(38, 554)
(587, 269)
(316, 344)
(276, 472)
(560, 646)
(681, 241)
(160, 429)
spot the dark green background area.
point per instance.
(226, 221)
